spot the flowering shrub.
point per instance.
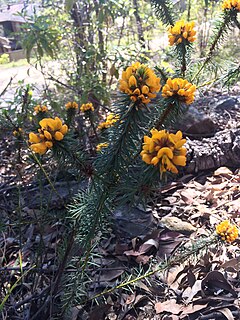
(231, 4)
(140, 83)
(111, 119)
(51, 130)
(227, 231)
(181, 89)
(40, 109)
(182, 32)
(87, 107)
(71, 105)
(164, 149)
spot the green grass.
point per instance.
(12, 64)
(21, 62)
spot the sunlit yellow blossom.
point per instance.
(100, 146)
(51, 130)
(111, 119)
(140, 83)
(181, 89)
(182, 32)
(18, 132)
(87, 106)
(39, 109)
(227, 231)
(71, 105)
(165, 150)
(231, 4)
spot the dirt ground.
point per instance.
(27, 73)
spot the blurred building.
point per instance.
(11, 19)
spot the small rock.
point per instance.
(197, 123)
(227, 105)
(176, 224)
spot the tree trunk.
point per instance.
(139, 24)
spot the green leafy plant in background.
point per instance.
(4, 58)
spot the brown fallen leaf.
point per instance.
(232, 264)
(227, 313)
(223, 171)
(215, 280)
(168, 306)
(189, 292)
(99, 312)
(192, 309)
(145, 247)
(172, 317)
(168, 242)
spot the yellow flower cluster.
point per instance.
(180, 88)
(227, 231)
(181, 32)
(111, 119)
(231, 4)
(100, 146)
(51, 130)
(140, 83)
(71, 105)
(39, 109)
(87, 106)
(164, 149)
(17, 133)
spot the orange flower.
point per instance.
(111, 119)
(231, 5)
(183, 90)
(71, 105)
(227, 231)
(51, 130)
(100, 146)
(164, 149)
(39, 109)
(182, 32)
(140, 83)
(86, 107)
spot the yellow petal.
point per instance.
(47, 135)
(40, 148)
(34, 138)
(179, 160)
(49, 144)
(132, 81)
(58, 136)
(165, 151)
(145, 89)
(146, 158)
(58, 123)
(128, 72)
(180, 143)
(137, 92)
(155, 161)
(123, 86)
(64, 129)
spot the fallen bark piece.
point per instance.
(211, 153)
